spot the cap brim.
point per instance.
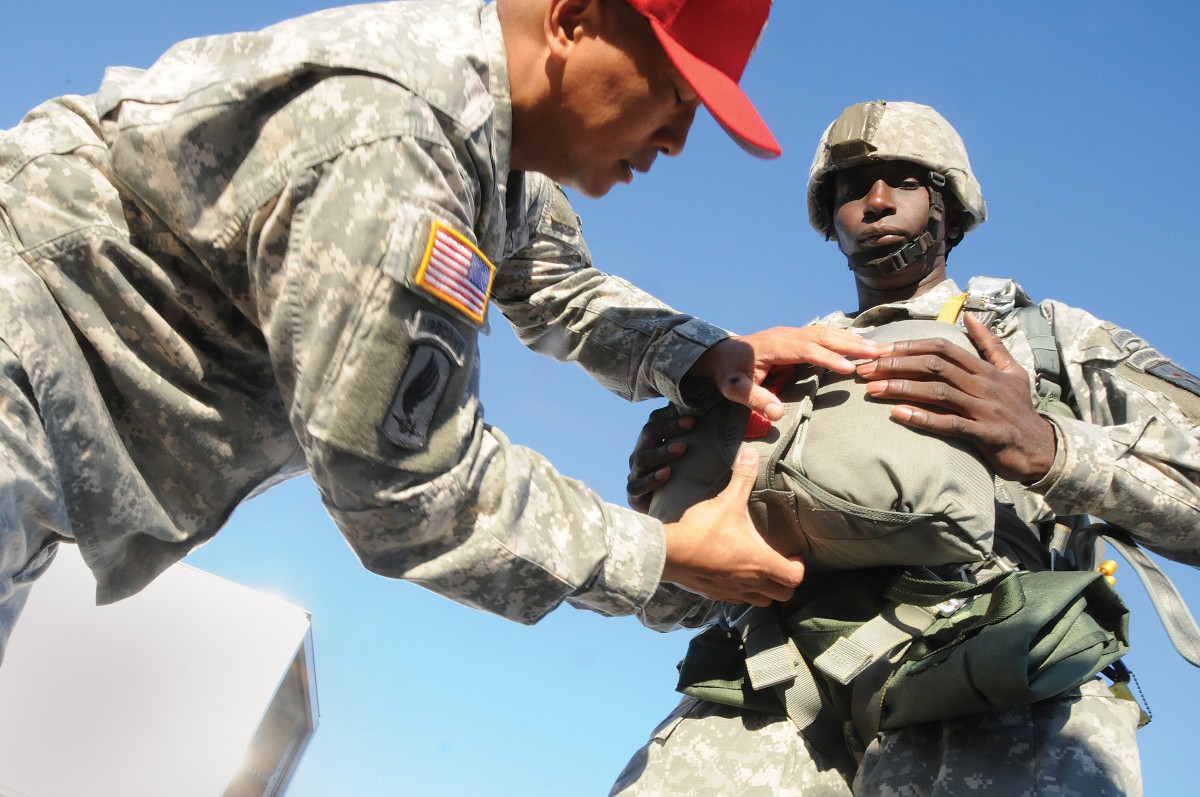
(723, 98)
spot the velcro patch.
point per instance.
(1176, 376)
(454, 271)
(417, 397)
(427, 327)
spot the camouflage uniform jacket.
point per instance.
(218, 269)
(1131, 456)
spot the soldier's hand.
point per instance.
(714, 550)
(738, 365)
(653, 453)
(986, 401)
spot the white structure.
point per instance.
(195, 687)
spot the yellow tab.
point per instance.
(952, 308)
(1121, 691)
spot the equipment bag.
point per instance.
(840, 483)
(891, 649)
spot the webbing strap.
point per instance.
(1047, 364)
(874, 639)
(1172, 610)
(774, 661)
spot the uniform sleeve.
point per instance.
(1133, 457)
(672, 607)
(379, 369)
(563, 307)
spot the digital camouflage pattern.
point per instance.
(704, 748)
(1131, 457)
(898, 131)
(210, 267)
(1081, 743)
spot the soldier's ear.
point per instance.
(954, 221)
(566, 21)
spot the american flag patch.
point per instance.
(456, 272)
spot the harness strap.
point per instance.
(1046, 359)
(774, 662)
(1172, 611)
(896, 625)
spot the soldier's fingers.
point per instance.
(659, 429)
(650, 459)
(923, 356)
(947, 425)
(640, 490)
(990, 346)
(762, 600)
(941, 394)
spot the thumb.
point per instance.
(784, 571)
(764, 402)
(990, 346)
(741, 482)
(738, 387)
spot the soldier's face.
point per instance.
(623, 104)
(878, 207)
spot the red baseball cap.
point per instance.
(710, 41)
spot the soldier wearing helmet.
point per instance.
(873, 136)
(1045, 404)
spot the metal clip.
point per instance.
(950, 606)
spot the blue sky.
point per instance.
(1081, 120)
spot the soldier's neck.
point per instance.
(874, 290)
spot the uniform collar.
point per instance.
(927, 305)
(498, 87)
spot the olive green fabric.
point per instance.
(999, 649)
(841, 484)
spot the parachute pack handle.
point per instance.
(1172, 611)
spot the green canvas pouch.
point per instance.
(999, 648)
(841, 484)
(715, 669)
(1023, 637)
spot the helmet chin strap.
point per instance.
(929, 245)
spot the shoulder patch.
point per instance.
(456, 273)
(1176, 376)
(430, 327)
(415, 402)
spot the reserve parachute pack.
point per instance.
(840, 484)
(955, 607)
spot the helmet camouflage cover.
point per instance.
(899, 131)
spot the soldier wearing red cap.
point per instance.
(272, 252)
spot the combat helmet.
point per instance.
(878, 131)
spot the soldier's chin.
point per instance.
(592, 186)
(863, 259)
